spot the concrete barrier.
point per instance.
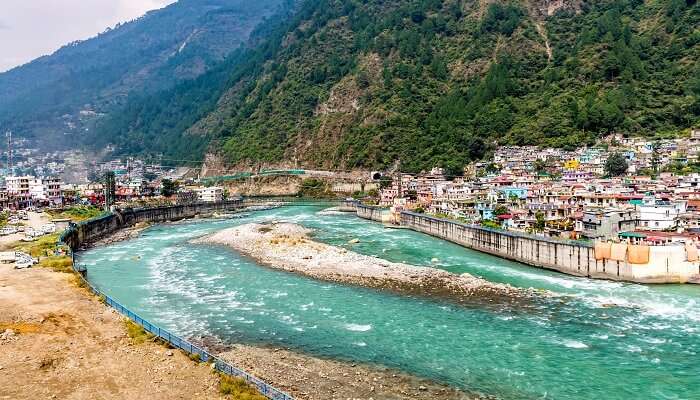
(373, 213)
(667, 263)
(86, 232)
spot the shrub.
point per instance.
(58, 263)
(136, 332)
(238, 388)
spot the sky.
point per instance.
(32, 28)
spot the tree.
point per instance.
(168, 187)
(539, 221)
(500, 210)
(616, 164)
(540, 166)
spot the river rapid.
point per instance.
(591, 340)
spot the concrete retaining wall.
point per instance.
(667, 264)
(78, 235)
(373, 213)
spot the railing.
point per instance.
(501, 231)
(221, 365)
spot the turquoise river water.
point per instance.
(574, 345)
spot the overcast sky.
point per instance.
(32, 28)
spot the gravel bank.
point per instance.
(288, 247)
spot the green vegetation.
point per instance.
(312, 187)
(501, 210)
(437, 83)
(78, 213)
(616, 165)
(124, 64)
(168, 187)
(361, 83)
(49, 253)
(488, 223)
(136, 332)
(238, 389)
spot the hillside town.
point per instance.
(653, 197)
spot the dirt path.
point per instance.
(67, 345)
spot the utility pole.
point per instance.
(9, 153)
(110, 188)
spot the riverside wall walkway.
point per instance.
(667, 264)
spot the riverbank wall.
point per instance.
(667, 264)
(78, 235)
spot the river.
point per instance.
(592, 340)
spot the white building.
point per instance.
(655, 214)
(18, 186)
(211, 194)
(46, 189)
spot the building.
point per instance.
(659, 214)
(46, 190)
(606, 223)
(211, 194)
(18, 190)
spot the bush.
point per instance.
(136, 332)
(58, 263)
(79, 213)
(311, 187)
(238, 388)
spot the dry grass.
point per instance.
(238, 389)
(58, 263)
(20, 327)
(136, 332)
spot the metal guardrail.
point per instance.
(177, 342)
(503, 232)
(219, 364)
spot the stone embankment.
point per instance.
(287, 246)
(77, 236)
(665, 264)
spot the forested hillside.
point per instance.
(62, 93)
(361, 83)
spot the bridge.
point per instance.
(239, 176)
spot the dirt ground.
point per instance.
(311, 378)
(59, 342)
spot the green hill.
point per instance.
(361, 83)
(57, 97)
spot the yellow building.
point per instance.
(572, 165)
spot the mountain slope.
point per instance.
(152, 53)
(360, 84)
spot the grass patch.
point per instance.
(78, 213)
(58, 263)
(136, 332)
(238, 388)
(41, 246)
(45, 249)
